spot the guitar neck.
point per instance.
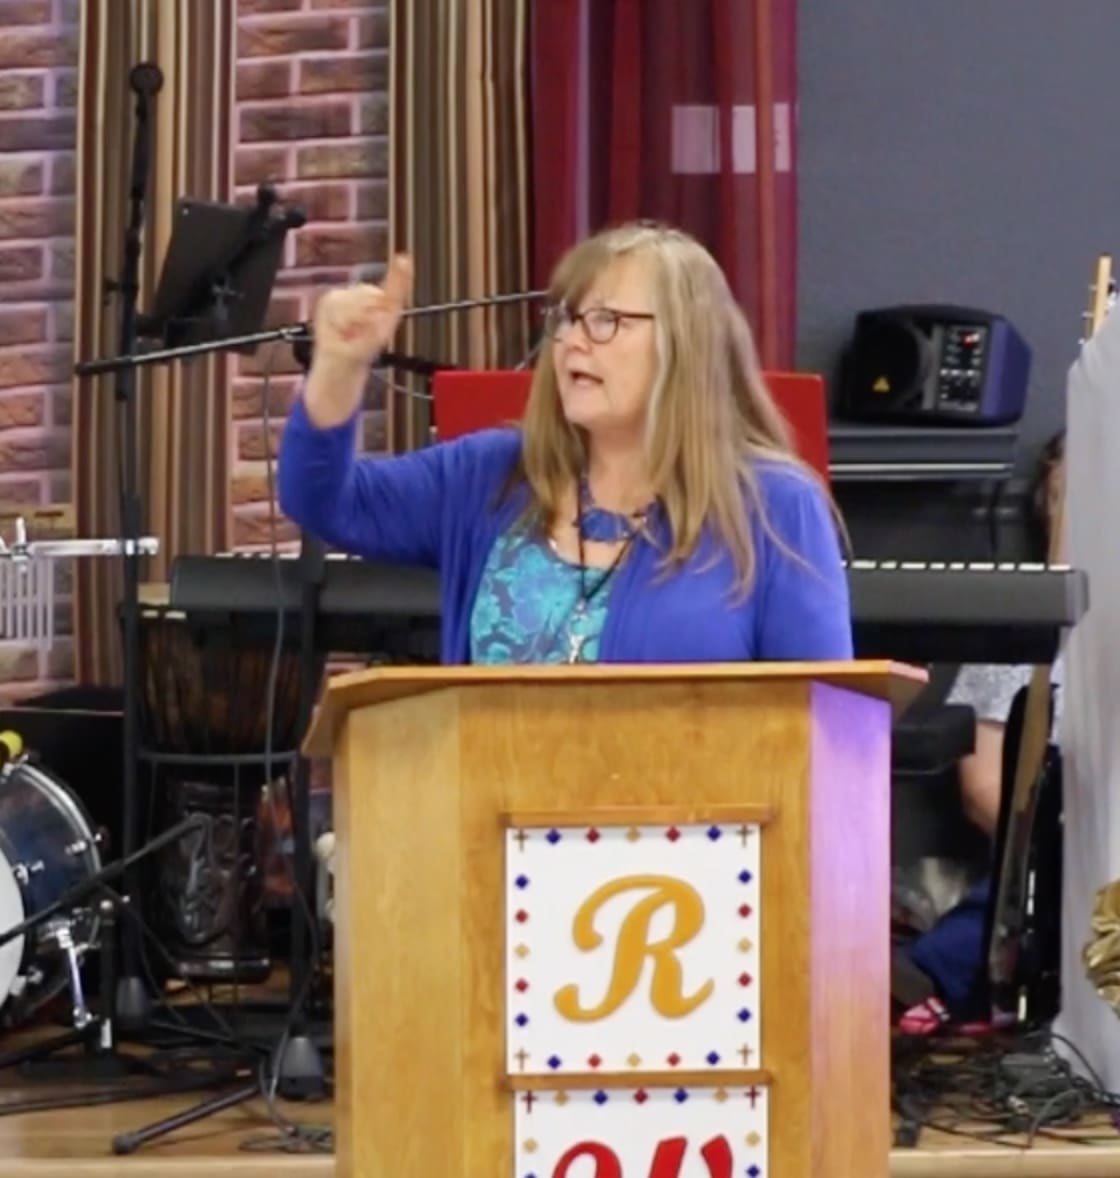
(1102, 294)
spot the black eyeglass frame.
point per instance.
(558, 316)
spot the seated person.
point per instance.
(950, 957)
(990, 688)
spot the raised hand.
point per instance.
(353, 325)
(356, 323)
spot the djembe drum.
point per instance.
(217, 736)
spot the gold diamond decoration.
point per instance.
(633, 834)
(633, 1060)
(530, 1146)
(721, 1095)
(753, 1139)
(561, 1098)
(745, 945)
(522, 950)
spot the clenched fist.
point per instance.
(353, 326)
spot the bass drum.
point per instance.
(47, 846)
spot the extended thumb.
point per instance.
(398, 280)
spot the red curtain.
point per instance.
(680, 110)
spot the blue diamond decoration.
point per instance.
(714, 832)
(712, 1057)
(753, 1172)
(522, 1020)
(553, 837)
(745, 876)
(522, 881)
(680, 1096)
(600, 1097)
(744, 1016)
(554, 1061)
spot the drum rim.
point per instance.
(19, 952)
(85, 919)
(68, 801)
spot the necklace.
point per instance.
(600, 524)
(587, 595)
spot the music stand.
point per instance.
(218, 272)
(216, 277)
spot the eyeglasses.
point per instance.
(600, 324)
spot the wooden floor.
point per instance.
(76, 1144)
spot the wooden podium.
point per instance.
(612, 922)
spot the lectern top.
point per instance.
(896, 682)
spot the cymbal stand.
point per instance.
(27, 592)
(27, 605)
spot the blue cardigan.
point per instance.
(437, 507)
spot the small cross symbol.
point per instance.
(528, 1099)
(744, 834)
(745, 1056)
(520, 838)
(521, 1056)
(752, 1095)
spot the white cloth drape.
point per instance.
(1090, 731)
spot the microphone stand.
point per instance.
(299, 1069)
(146, 79)
(295, 334)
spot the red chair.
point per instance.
(468, 401)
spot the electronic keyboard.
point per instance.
(913, 612)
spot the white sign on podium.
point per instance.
(633, 1000)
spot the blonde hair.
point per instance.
(711, 417)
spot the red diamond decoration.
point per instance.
(673, 1060)
(521, 916)
(640, 1096)
(744, 910)
(744, 979)
(672, 834)
(521, 985)
(593, 1061)
(593, 835)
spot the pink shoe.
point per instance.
(924, 1019)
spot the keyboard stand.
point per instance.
(299, 1066)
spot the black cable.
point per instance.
(1007, 1090)
(270, 1080)
(227, 1033)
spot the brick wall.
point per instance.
(38, 70)
(312, 117)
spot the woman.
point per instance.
(648, 509)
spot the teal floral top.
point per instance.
(529, 607)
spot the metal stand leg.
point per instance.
(100, 1061)
(39, 1051)
(130, 1142)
